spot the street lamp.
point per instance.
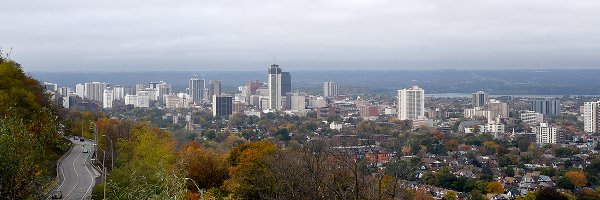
(112, 154)
(201, 191)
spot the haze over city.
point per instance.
(332, 34)
(290, 99)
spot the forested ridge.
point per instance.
(30, 144)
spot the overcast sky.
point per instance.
(132, 35)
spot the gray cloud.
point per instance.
(131, 35)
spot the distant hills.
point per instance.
(508, 82)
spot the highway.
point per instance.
(77, 175)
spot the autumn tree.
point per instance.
(249, 176)
(578, 178)
(494, 188)
(204, 166)
(146, 155)
(450, 195)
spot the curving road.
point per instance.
(77, 174)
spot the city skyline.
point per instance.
(232, 35)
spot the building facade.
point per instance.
(107, 98)
(546, 107)
(545, 134)
(95, 90)
(591, 113)
(222, 106)
(411, 103)
(330, 89)
(480, 99)
(275, 90)
(195, 86)
(532, 117)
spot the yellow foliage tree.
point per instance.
(494, 188)
(577, 178)
(450, 195)
(248, 171)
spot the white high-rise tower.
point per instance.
(274, 77)
(591, 112)
(411, 103)
(330, 89)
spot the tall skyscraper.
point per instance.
(286, 83)
(95, 90)
(330, 89)
(222, 105)
(591, 114)
(80, 90)
(164, 89)
(545, 134)
(214, 88)
(195, 88)
(546, 106)
(118, 92)
(480, 99)
(107, 98)
(64, 91)
(275, 89)
(411, 103)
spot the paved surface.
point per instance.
(77, 174)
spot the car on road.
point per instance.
(85, 150)
(81, 139)
(57, 194)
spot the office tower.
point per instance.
(411, 103)
(164, 89)
(295, 101)
(195, 88)
(497, 108)
(107, 98)
(64, 91)
(118, 92)
(95, 90)
(591, 114)
(80, 90)
(274, 87)
(545, 134)
(546, 106)
(531, 117)
(330, 89)
(222, 105)
(480, 99)
(214, 88)
(286, 83)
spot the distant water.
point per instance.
(469, 95)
